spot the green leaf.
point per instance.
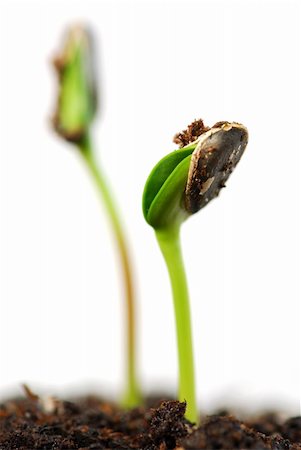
(165, 186)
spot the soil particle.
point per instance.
(291, 429)
(273, 424)
(192, 132)
(91, 423)
(166, 426)
(226, 432)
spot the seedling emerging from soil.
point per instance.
(181, 184)
(76, 109)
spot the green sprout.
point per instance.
(181, 184)
(76, 109)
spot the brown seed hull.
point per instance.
(214, 159)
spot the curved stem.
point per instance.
(169, 242)
(132, 395)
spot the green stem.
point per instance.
(132, 396)
(169, 242)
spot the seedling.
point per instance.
(181, 184)
(76, 109)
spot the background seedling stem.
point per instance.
(132, 394)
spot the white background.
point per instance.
(161, 65)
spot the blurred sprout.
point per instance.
(76, 106)
(75, 111)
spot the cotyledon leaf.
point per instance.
(160, 174)
(166, 207)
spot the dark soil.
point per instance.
(192, 132)
(90, 423)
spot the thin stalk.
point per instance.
(132, 395)
(169, 242)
